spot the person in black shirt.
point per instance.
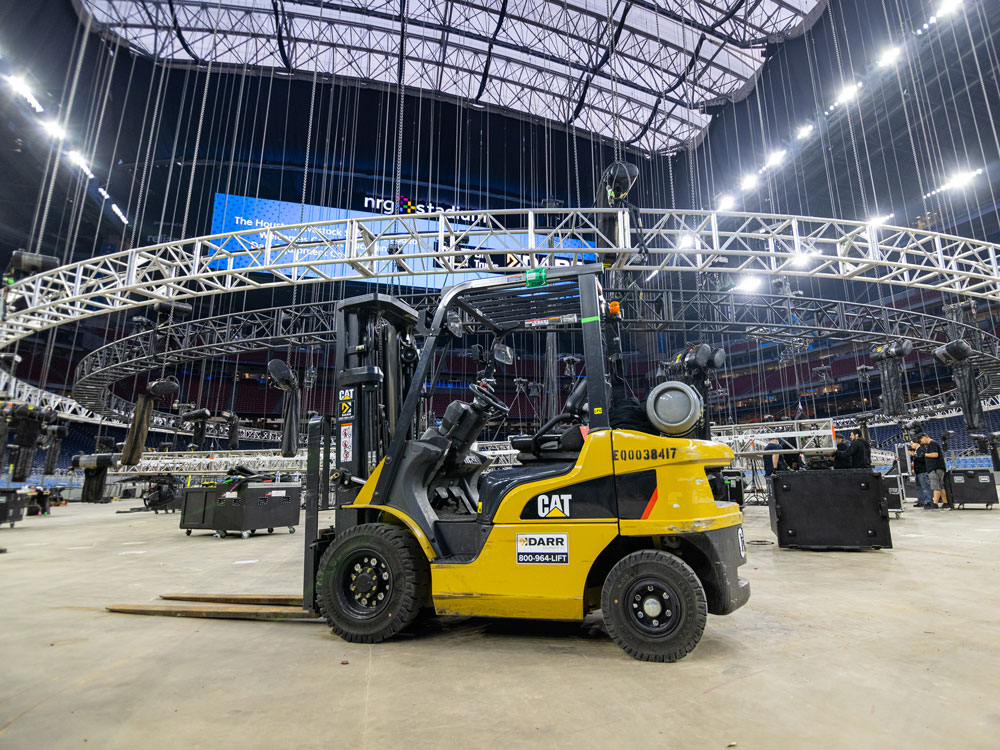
(860, 452)
(936, 467)
(918, 465)
(840, 459)
(774, 461)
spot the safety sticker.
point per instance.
(543, 549)
(346, 442)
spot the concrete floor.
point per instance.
(890, 649)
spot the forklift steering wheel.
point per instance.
(489, 398)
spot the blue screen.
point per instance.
(235, 213)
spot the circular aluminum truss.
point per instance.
(781, 318)
(642, 244)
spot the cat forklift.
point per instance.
(624, 520)
(614, 506)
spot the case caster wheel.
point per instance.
(221, 534)
(244, 534)
(188, 532)
(270, 531)
(253, 532)
(12, 524)
(291, 529)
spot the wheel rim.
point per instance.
(653, 607)
(364, 584)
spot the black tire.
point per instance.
(654, 606)
(399, 579)
(188, 532)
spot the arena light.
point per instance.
(118, 213)
(749, 182)
(948, 7)
(804, 131)
(800, 260)
(776, 158)
(103, 193)
(849, 93)
(748, 284)
(958, 181)
(889, 57)
(54, 130)
(21, 88)
(77, 158)
(686, 241)
(727, 203)
(877, 221)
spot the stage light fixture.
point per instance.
(804, 132)
(727, 203)
(953, 352)
(749, 284)
(749, 182)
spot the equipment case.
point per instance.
(11, 507)
(245, 508)
(972, 486)
(832, 509)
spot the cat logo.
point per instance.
(553, 506)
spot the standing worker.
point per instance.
(919, 464)
(936, 467)
(860, 451)
(840, 459)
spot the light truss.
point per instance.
(810, 437)
(391, 248)
(114, 411)
(704, 314)
(545, 59)
(215, 463)
(437, 248)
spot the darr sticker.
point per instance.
(543, 549)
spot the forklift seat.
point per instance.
(495, 485)
(563, 446)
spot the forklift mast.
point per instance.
(374, 363)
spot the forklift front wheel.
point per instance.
(654, 606)
(371, 582)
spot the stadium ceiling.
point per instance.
(543, 59)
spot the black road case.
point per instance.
(11, 507)
(244, 507)
(833, 509)
(972, 486)
(198, 508)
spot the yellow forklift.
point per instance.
(613, 507)
(627, 519)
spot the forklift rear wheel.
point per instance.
(372, 582)
(654, 606)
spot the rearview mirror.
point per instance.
(503, 354)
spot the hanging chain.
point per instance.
(401, 89)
